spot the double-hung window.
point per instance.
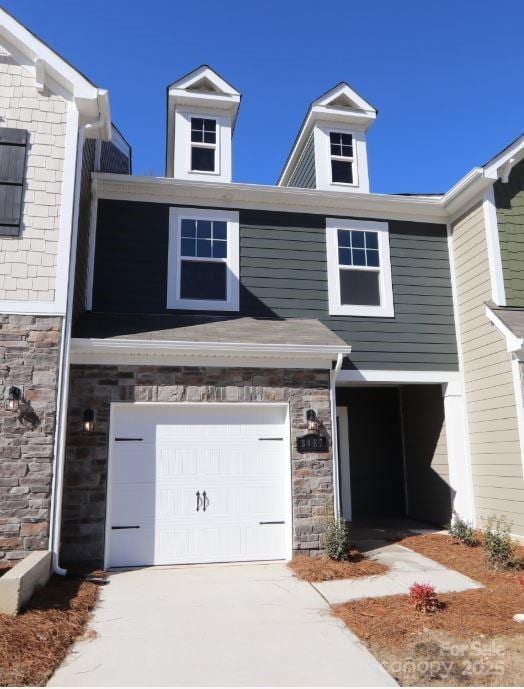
(341, 158)
(203, 145)
(203, 260)
(359, 268)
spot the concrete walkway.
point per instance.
(231, 625)
(406, 568)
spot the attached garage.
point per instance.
(198, 483)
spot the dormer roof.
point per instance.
(201, 88)
(340, 104)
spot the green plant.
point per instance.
(423, 598)
(336, 539)
(500, 548)
(461, 531)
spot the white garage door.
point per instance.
(198, 483)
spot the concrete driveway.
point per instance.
(222, 625)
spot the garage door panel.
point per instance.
(192, 449)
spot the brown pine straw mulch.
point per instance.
(321, 568)
(35, 642)
(474, 622)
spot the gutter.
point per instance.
(63, 384)
(333, 375)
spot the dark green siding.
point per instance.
(283, 268)
(509, 199)
(304, 173)
(283, 274)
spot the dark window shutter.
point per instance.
(13, 147)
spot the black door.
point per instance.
(375, 451)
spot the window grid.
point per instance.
(203, 240)
(203, 130)
(358, 250)
(342, 158)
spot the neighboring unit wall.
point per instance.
(86, 455)
(29, 353)
(283, 274)
(509, 200)
(84, 223)
(28, 262)
(304, 173)
(492, 419)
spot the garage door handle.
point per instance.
(198, 500)
(125, 527)
(127, 440)
(205, 501)
(271, 522)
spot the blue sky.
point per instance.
(445, 75)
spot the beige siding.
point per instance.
(498, 482)
(28, 262)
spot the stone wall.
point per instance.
(28, 262)
(29, 355)
(86, 456)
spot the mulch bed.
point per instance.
(314, 569)
(396, 632)
(35, 642)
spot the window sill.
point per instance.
(204, 172)
(363, 311)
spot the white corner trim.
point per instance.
(174, 300)
(519, 404)
(397, 376)
(498, 293)
(336, 308)
(513, 343)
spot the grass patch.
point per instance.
(35, 642)
(323, 568)
(473, 640)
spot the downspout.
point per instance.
(333, 375)
(63, 379)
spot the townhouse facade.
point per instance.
(216, 367)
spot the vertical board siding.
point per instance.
(113, 160)
(84, 220)
(491, 405)
(509, 199)
(283, 274)
(304, 173)
(426, 454)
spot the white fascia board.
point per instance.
(501, 164)
(239, 349)
(394, 376)
(204, 72)
(513, 343)
(52, 64)
(265, 197)
(345, 89)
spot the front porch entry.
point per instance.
(392, 448)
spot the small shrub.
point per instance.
(336, 539)
(423, 598)
(463, 532)
(500, 548)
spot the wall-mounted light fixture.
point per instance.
(312, 421)
(88, 421)
(13, 399)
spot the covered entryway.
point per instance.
(393, 459)
(195, 483)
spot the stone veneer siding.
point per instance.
(29, 355)
(96, 387)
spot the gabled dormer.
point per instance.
(330, 149)
(201, 113)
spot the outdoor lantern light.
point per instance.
(88, 421)
(13, 399)
(312, 421)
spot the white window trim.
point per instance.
(174, 301)
(345, 159)
(200, 144)
(386, 308)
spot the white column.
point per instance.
(459, 462)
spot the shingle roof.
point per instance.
(224, 329)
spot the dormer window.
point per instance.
(342, 160)
(203, 144)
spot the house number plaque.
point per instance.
(312, 442)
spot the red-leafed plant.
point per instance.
(423, 598)
(520, 580)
